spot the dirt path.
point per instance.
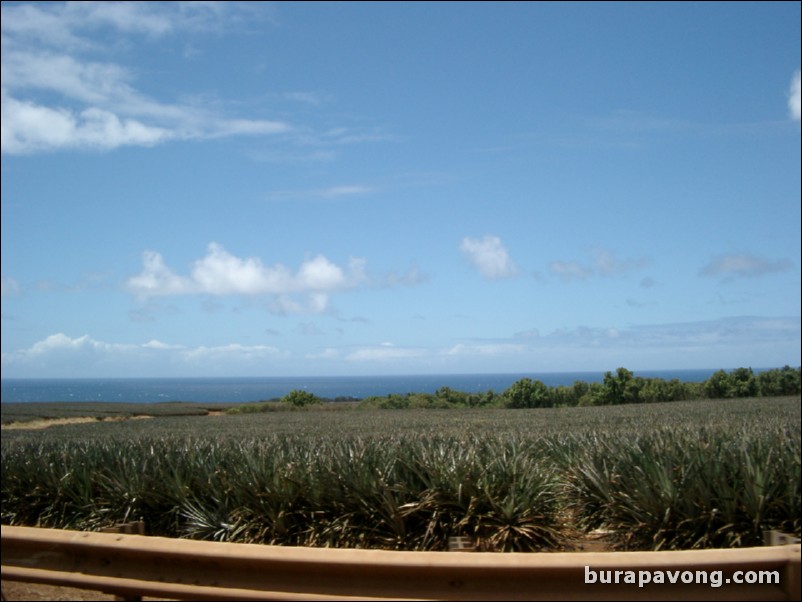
(13, 590)
(44, 423)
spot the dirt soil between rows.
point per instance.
(35, 592)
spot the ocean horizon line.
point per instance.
(637, 372)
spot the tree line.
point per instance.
(619, 387)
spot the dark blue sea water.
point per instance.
(148, 390)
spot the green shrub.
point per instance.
(299, 398)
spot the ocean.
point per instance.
(152, 390)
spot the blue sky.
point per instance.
(259, 189)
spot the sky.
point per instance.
(321, 189)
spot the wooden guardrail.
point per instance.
(130, 565)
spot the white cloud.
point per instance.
(55, 97)
(85, 81)
(84, 345)
(220, 127)
(64, 24)
(29, 128)
(320, 274)
(156, 344)
(748, 266)
(383, 353)
(130, 17)
(489, 256)
(794, 101)
(29, 22)
(157, 279)
(220, 273)
(57, 341)
(234, 351)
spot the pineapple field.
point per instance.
(680, 475)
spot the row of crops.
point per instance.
(664, 476)
(29, 411)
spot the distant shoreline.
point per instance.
(247, 389)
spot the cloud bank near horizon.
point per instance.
(595, 349)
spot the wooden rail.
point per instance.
(131, 565)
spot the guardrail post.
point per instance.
(136, 527)
(460, 544)
(776, 538)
